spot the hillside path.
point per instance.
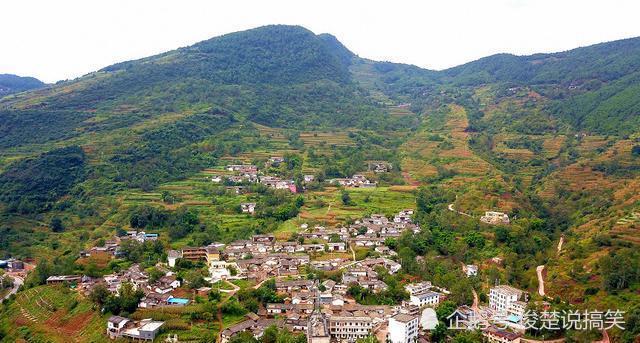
(450, 207)
(539, 270)
(560, 244)
(17, 282)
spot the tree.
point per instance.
(56, 225)
(99, 294)
(243, 337)
(368, 339)
(6, 281)
(346, 198)
(619, 269)
(194, 279)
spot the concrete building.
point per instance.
(116, 326)
(501, 297)
(470, 270)
(349, 329)
(425, 299)
(403, 328)
(495, 218)
(248, 207)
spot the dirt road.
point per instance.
(539, 270)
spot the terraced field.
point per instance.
(54, 314)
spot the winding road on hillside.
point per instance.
(450, 207)
(17, 282)
(539, 270)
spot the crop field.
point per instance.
(326, 207)
(54, 314)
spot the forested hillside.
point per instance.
(549, 139)
(10, 83)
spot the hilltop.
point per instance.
(10, 84)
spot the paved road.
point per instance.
(17, 282)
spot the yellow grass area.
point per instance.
(422, 154)
(316, 138)
(591, 143)
(552, 145)
(575, 177)
(399, 111)
(99, 259)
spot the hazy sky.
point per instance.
(63, 39)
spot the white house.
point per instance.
(403, 328)
(248, 207)
(471, 270)
(116, 325)
(172, 257)
(494, 218)
(425, 299)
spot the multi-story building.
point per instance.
(417, 288)
(403, 328)
(501, 297)
(349, 329)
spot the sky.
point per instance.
(65, 39)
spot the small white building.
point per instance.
(495, 218)
(471, 270)
(248, 207)
(116, 326)
(403, 328)
(428, 298)
(172, 257)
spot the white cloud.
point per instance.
(63, 39)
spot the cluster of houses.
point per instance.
(112, 246)
(357, 181)
(264, 257)
(374, 230)
(156, 293)
(249, 173)
(324, 313)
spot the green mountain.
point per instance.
(550, 139)
(10, 84)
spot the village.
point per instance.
(323, 309)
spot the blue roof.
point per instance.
(181, 301)
(513, 318)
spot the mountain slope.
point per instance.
(10, 84)
(273, 75)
